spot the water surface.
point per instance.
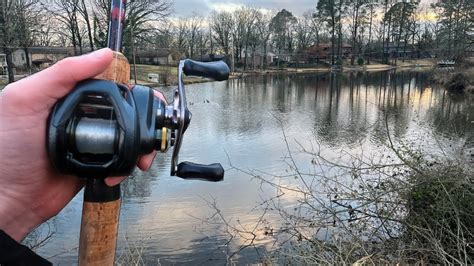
(240, 123)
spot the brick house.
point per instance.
(324, 51)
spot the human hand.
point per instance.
(31, 191)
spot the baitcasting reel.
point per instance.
(101, 128)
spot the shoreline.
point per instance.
(411, 65)
(345, 69)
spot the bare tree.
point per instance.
(281, 25)
(222, 24)
(264, 31)
(83, 10)
(357, 12)
(194, 29)
(304, 32)
(456, 19)
(371, 6)
(249, 16)
(143, 17)
(330, 11)
(16, 17)
(66, 12)
(45, 32)
(180, 43)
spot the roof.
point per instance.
(48, 50)
(211, 57)
(328, 45)
(154, 53)
(41, 61)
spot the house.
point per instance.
(39, 57)
(42, 57)
(258, 59)
(155, 57)
(401, 50)
(3, 64)
(324, 51)
(19, 59)
(213, 57)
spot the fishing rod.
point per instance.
(103, 127)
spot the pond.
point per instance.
(242, 123)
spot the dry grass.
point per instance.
(405, 207)
(168, 75)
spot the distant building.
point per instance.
(155, 57)
(213, 57)
(42, 57)
(3, 64)
(324, 51)
(39, 57)
(258, 58)
(401, 50)
(19, 59)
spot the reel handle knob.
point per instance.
(213, 172)
(218, 71)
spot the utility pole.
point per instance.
(133, 52)
(232, 56)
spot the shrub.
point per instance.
(440, 215)
(457, 83)
(360, 61)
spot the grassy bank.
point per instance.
(458, 80)
(168, 75)
(3, 83)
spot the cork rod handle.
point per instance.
(101, 208)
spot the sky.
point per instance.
(185, 8)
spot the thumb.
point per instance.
(51, 84)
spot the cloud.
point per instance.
(229, 7)
(186, 8)
(183, 8)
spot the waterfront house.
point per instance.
(3, 64)
(155, 57)
(324, 51)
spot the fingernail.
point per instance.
(99, 53)
(151, 163)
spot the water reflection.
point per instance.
(240, 120)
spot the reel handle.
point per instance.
(218, 71)
(213, 172)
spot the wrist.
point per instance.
(15, 221)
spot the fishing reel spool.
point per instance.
(102, 128)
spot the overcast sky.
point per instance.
(184, 8)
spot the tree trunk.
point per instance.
(339, 31)
(354, 33)
(370, 33)
(245, 59)
(265, 65)
(88, 24)
(73, 35)
(27, 57)
(388, 38)
(383, 33)
(10, 69)
(333, 40)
